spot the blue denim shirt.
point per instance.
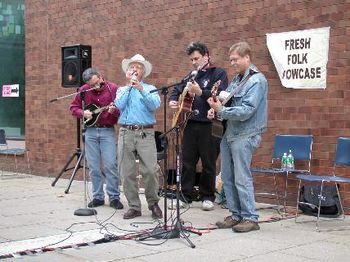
(247, 111)
(137, 107)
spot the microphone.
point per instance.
(193, 113)
(193, 74)
(134, 77)
(190, 77)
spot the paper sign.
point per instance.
(300, 57)
(10, 90)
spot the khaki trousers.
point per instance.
(139, 144)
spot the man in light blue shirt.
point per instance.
(136, 136)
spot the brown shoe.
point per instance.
(228, 222)
(156, 212)
(132, 213)
(246, 226)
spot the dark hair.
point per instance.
(197, 46)
(242, 48)
(89, 73)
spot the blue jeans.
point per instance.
(236, 157)
(101, 155)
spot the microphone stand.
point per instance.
(73, 94)
(78, 152)
(178, 229)
(80, 155)
(164, 92)
(86, 211)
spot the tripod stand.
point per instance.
(79, 155)
(178, 229)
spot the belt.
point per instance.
(137, 127)
(102, 126)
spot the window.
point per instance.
(12, 85)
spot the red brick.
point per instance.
(161, 30)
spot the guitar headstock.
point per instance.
(214, 89)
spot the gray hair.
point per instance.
(89, 73)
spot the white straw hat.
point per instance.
(137, 59)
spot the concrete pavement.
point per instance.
(37, 217)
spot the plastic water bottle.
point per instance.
(284, 161)
(290, 160)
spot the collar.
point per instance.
(251, 70)
(207, 66)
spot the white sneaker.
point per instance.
(173, 204)
(207, 205)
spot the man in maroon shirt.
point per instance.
(95, 104)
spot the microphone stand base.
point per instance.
(85, 212)
(161, 233)
(177, 231)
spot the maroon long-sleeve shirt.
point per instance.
(100, 98)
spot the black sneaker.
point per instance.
(96, 202)
(116, 204)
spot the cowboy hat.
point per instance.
(137, 59)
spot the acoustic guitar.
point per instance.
(185, 102)
(96, 112)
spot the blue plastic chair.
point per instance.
(342, 159)
(301, 146)
(6, 150)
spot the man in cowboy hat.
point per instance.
(136, 135)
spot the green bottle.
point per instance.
(290, 160)
(284, 161)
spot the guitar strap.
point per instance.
(238, 88)
(109, 89)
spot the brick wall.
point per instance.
(161, 30)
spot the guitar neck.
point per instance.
(228, 98)
(238, 88)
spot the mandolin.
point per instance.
(96, 112)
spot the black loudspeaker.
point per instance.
(75, 59)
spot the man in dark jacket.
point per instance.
(197, 142)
